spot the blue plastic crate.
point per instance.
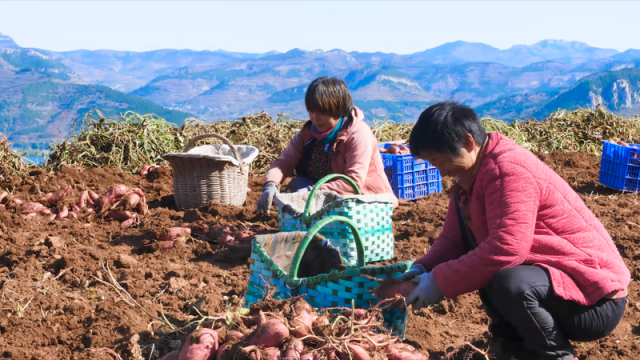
(415, 178)
(620, 167)
(401, 180)
(398, 164)
(417, 191)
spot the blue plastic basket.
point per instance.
(620, 167)
(335, 289)
(398, 164)
(410, 179)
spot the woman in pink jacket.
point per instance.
(335, 140)
(546, 269)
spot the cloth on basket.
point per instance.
(320, 257)
(294, 203)
(221, 153)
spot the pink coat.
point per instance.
(525, 213)
(356, 156)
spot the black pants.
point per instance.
(537, 323)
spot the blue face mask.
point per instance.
(333, 135)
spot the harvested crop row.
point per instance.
(291, 329)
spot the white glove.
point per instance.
(426, 293)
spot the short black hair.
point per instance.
(441, 128)
(330, 96)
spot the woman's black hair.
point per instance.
(330, 96)
(441, 128)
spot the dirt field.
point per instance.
(54, 266)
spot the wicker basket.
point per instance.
(198, 178)
(369, 213)
(335, 289)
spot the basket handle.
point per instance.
(302, 247)
(324, 180)
(228, 142)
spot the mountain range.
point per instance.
(42, 92)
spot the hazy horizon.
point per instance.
(262, 26)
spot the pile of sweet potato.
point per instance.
(119, 203)
(292, 329)
(395, 149)
(239, 235)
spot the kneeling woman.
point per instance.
(546, 269)
(335, 140)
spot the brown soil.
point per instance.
(53, 267)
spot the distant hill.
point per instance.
(41, 97)
(42, 91)
(127, 70)
(618, 91)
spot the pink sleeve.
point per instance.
(358, 150)
(448, 245)
(512, 197)
(283, 166)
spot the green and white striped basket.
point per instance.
(370, 213)
(335, 289)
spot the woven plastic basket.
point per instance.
(371, 218)
(335, 289)
(198, 178)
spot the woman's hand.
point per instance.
(414, 271)
(268, 192)
(426, 293)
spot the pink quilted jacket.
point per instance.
(356, 156)
(525, 213)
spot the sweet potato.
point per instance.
(132, 200)
(356, 352)
(234, 336)
(171, 356)
(393, 149)
(82, 201)
(391, 287)
(223, 350)
(93, 196)
(302, 324)
(243, 237)
(377, 339)
(403, 149)
(301, 305)
(31, 208)
(322, 326)
(200, 345)
(114, 193)
(359, 314)
(404, 352)
(53, 199)
(127, 223)
(253, 320)
(270, 334)
(119, 215)
(62, 213)
(176, 232)
(271, 353)
(293, 350)
(225, 238)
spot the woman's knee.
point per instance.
(512, 283)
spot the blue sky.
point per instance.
(260, 26)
